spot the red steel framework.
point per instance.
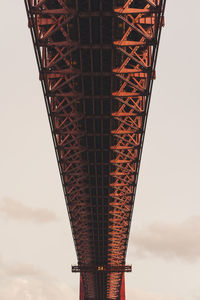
(97, 64)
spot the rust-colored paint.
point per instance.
(98, 150)
(82, 297)
(122, 291)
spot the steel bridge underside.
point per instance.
(97, 63)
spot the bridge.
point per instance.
(96, 61)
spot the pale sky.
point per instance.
(37, 250)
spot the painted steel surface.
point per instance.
(97, 63)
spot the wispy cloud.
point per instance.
(17, 269)
(143, 295)
(25, 282)
(170, 240)
(17, 210)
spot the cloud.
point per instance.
(143, 295)
(25, 282)
(170, 240)
(19, 211)
(15, 270)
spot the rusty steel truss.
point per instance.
(96, 61)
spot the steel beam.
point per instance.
(96, 63)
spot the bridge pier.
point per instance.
(81, 289)
(122, 290)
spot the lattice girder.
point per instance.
(97, 62)
(130, 100)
